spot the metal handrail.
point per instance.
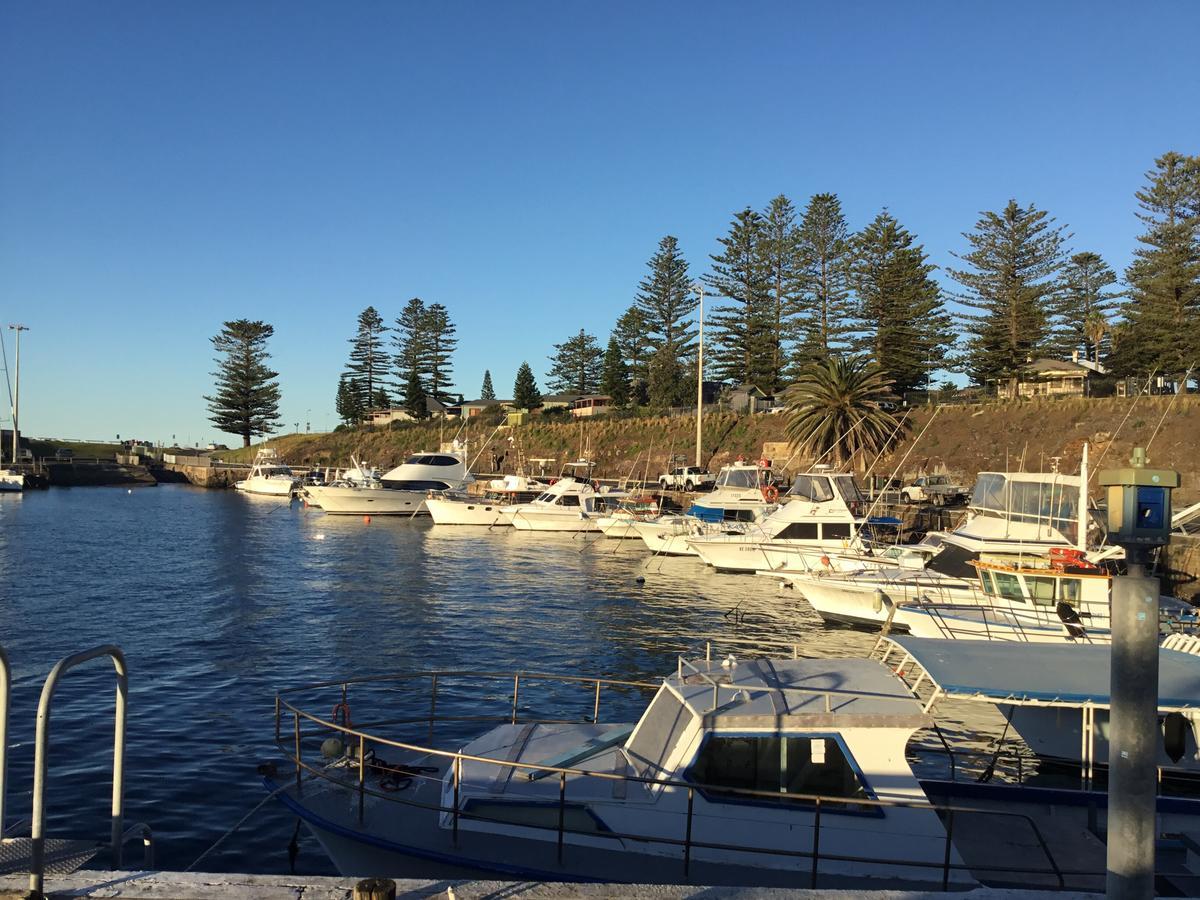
(37, 831)
(457, 758)
(5, 694)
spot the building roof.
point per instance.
(561, 398)
(1045, 366)
(486, 403)
(749, 389)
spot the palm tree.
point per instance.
(840, 405)
(1095, 327)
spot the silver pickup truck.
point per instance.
(941, 490)
(686, 478)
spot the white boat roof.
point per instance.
(797, 693)
(1033, 674)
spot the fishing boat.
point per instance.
(11, 481)
(269, 476)
(401, 491)
(744, 493)
(570, 504)
(619, 523)
(462, 508)
(822, 515)
(758, 772)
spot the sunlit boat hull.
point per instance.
(355, 501)
(474, 512)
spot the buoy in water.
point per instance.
(366, 520)
(641, 579)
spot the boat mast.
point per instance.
(700, 378)
(1082, 512)
(16, 409)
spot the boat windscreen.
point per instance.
(1055, 503)
(954, 561)
(811, 487)
(848, 488)
(738, 478)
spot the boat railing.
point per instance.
(357, 741)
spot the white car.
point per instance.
(686, 478)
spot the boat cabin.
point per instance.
(1038, 509)
(428, 472)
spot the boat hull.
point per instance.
(465, 512)
(267, 487)
(349, 501)
(542, 520)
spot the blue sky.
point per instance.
(164, 167)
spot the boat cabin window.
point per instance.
(834, 530)
(738, 478)
(568, 500)
(848, 489)
(811, 487)
(799, 531)
(1041, 589)
(1070, 589)
(406, 485)
(431, 460)
(1051, 503)
(1008, 586)
(739, 515)
(546, 497)
(783, 765)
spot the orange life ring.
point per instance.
(764, 463)
(770, 493)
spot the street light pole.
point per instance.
(16, 410)
(699, 288)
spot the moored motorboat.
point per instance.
(620, 522)
(401, 491)
(570, 504)
(269, 476)
(11, 481)
(462, 508)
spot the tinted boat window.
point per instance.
(1008, 586)
(1041, 589)
(834, 530)
(661, 727)
(811, 487)
(799, 531)
(782, 765)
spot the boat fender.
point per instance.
(332, 748)
(1175, 729)
(877, 599)
(829, 565)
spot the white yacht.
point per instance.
(402, 491)
(11, 481)
(620, 522)
(822, 514)
(715, 784)
(570, 504)
(461, 508)
(743, 494)
(269, 476)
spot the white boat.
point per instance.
(269, 476)
(620, 522)
(713, 785)
(821, 516)
(743, 495)
(570, 504)
(461, 508)
(11, 481)
(401, 491)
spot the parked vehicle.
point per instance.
(686, 478)
(64, 453)
(941, 490)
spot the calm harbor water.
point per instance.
(219, 600)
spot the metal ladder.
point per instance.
(64, 855)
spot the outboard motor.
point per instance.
(1070, 618)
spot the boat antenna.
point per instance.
(1132, 406)
(7, 380)
(937, 409)
(1170, 403)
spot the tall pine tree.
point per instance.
(349, 402)
(487, 392)
(630, 332)
(576, 365)
(1012, 282)
(781, 254)
(902, 321)
(411, 344)
(742, 329)
(1161, 315)
(667, 302)
(414, 396)
(440, 343)
(1087, 305)
(369, 362)
(614, 378)
(246, 400)
(525, 390)
(825, 314)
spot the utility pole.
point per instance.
(699, 288)
(1139, 519)
(16, 410)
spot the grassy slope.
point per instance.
(965, 440)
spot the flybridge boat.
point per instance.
(460, 508)
(402, 491)
(744, 494)
(762, 772)
(570, 504)
(269, 476)
(822, 513)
